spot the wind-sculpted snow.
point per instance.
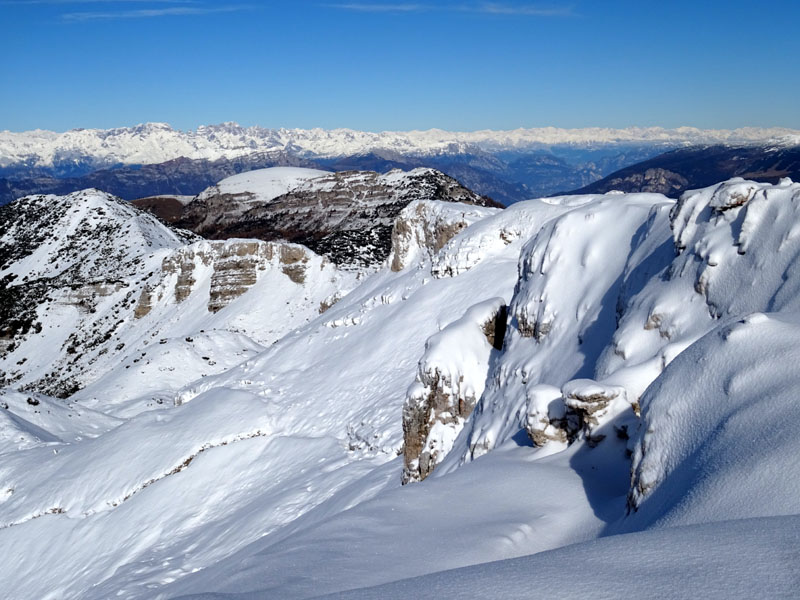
(751, 558)
(644, 379)
(564, 308)
(733, 251)
(621, 306)
(718, 438)
(491, 237)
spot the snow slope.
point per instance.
(751, 558)
(263, 184)
(342, 431)
(634, 423)
(95, 289)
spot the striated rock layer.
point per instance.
(233, 266)
(88, 283)
(347, 216)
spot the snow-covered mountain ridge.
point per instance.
(152, 143)
(558, 372)
(90, 285)
(346, 216)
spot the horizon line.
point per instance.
(427, 130)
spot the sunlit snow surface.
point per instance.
(158, 142)
(280, 477)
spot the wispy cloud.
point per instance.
(79, 2)
(493, 8)
(149, 13)
(380, 7)
(530, 10)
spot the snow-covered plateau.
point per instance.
(579, 396)
(151, 143)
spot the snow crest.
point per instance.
(643, 378)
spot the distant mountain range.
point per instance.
(89, 149)
(509, 166)
(674, 172)
(182, 176)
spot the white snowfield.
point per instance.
(150, 143)
(634, 436)
(263, 185)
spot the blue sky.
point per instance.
(458, 65)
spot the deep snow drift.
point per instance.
(631, 420)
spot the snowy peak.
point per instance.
(87, 279)
(61, 259)
(228, 200)
(263, 184)
(82, 235)
(151, 143)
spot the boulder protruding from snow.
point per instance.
(578, 410)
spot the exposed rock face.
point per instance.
(89, 282)
(657, 180)
(233, 265)
(578, 410)
(167, 208)
(424, 227)
(345, 216)
(450, 380)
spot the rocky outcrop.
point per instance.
(656, 180)
(168, 208)
(424, 227)
(347, 216)
(233, 267)
(578, 411)
(450, 380)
